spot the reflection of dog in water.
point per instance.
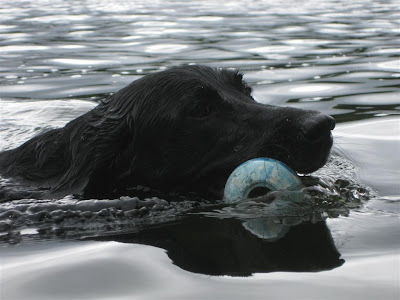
(183, 130)
(213, 243)
(225, 247)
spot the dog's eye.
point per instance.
(202, 110)
(207, 100)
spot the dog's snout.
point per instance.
(318, 126)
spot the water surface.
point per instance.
(57, 59)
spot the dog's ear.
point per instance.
(101, 148)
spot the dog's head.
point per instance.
(191, 126)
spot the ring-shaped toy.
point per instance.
(259, 172)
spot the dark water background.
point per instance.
(58, 58)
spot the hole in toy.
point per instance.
(258, 192)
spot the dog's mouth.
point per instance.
(312, 147)
(310, 158)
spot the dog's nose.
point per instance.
(317, 126)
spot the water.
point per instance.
(57, 59)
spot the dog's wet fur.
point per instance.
(181, 130)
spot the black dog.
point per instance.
(182, 130)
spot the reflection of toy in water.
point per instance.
(263, 174)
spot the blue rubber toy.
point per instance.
(259, 172)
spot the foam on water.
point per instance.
(72, 218)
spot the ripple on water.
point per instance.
(59, 87)
(80, 33)
(274, 50)
(71, 46)
(22, 48)
(314, 89)
(78, 62)
(391, 65)
(206, 19)
(378, 99)
(6, 28)
(165, 48)
(22, 119)
(308, 42)
(54, 18)
(284, 91)
(374, 146)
